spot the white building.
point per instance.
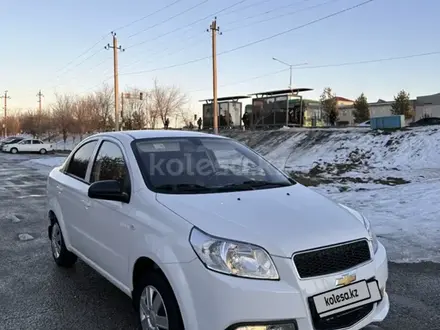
(427, 106)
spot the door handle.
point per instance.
(59, 188)
(87, 204)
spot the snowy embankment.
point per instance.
(393, 178)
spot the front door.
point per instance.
(110, 223)
(25, 146)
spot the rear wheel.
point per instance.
(60, 254)
(156, 305)
(14, 150)
(43, 151)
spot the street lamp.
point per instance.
(291, 89)
(290, 67)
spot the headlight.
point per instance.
(233, 258)
(371, 234)
(367, 224)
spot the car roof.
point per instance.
(148, 134)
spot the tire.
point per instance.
(60, 254)
(14, 151)
(159, 286)
(43, 151)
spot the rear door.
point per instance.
(73, 196)
(36, 145)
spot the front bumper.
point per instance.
(209, 300)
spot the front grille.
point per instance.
(341, 320)
(332, 259)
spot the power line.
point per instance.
(254, 42)
(83, 61)
(369, 61)
(246, 7)
(240, 27)
(149, 15)
(168, 19)
(190, 24)
(268, 12)
(79, 56)
(280, 16)
(104, 37)
(330, 65)
(386, 59)
(85, 52)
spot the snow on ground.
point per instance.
(46, 164)
(393, 178)
(71, 141)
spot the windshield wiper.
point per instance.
(252, 185)
(183, 187)
(262, 183)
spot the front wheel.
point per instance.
(62, 256)
(14, 150)
(156, 305)
(43, 151)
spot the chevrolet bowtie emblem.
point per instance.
(346, 279)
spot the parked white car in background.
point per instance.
(28, 145)
(365, 124)
(203, 233)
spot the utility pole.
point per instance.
(39, 95)
(214, 29)
(6, 97)
(115, 48)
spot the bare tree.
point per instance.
(12, 123)
(135, 109)
(166, 102)
(28, 122)
(62, 113)
(83, 113)
(186, 117)
(104, 108)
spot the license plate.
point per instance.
(346, 297)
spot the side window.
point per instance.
(80, 160)
(27, 142)
(36, 142)
(110, 165)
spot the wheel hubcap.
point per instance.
(56, 241)
(152, 310)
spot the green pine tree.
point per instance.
(402, 105)
(361, 111)
(329, 106)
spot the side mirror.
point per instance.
(109, 190)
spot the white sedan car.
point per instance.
(28, 145)
(365, 124)
(203, 233)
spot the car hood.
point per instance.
(282, 220)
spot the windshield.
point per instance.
(204, 165)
